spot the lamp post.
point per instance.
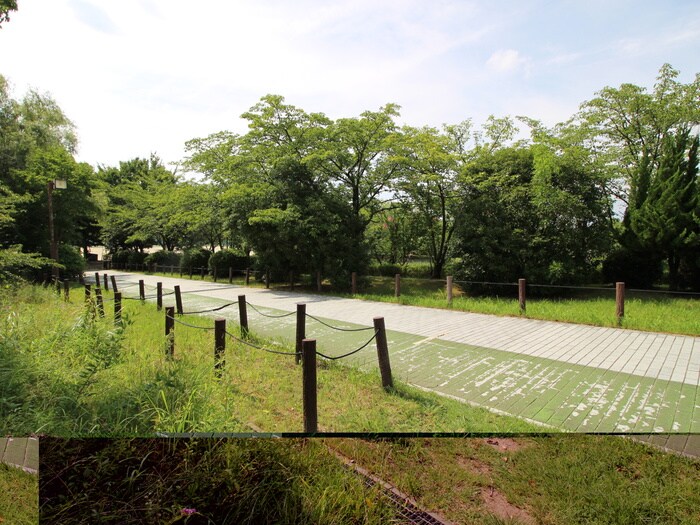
(57, 184)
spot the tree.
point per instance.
(430, 162)
(626, 126)
(5, 7)
(138, 212)
(667, 218)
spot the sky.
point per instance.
(144, 76)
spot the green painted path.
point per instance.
(20, 452)
(574, 377)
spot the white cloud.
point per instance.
(505, 61)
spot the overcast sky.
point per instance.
(142, 76)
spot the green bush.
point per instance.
(635, 269)
(73, 262)
(16, 266)
(386, 269)
(162, 258)
(225, 259)
(198, 258)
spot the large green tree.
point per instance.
(667, 218)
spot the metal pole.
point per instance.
(52, 235)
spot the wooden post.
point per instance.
(87, 293)
(319, 287)
(449, 289)
(215, 274)
(159, 296)
(383, 353)
(309, 386)
(619, 301)
(397, 285)
(170, 331)
(114, 283)
(66, 289)
(219, 345)
(100, 304)
(301, 329)
(202, 273)
(142, 290)
(230, 275)
(267, 278)
(117, 308)
(522, 284)
(178, 299)
(247, 276)
(106, 280)
(353, 283)
(243, 315)
(180, 269)
(155, 267)
(190, 272)
(97, 279)
(58, 286)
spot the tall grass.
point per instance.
(238, 481)
(67, 372)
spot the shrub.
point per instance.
(196, 258)
(225, 259)
(635, 269)
(73, 262)
(162, 258)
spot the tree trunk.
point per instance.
(674, 262)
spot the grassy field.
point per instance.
(643, 311)
(555, 480)
(19, 496)
(67, 372)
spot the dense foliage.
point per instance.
(612, 194)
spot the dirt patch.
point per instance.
(504, 444)
(474, 465)
(499, 506)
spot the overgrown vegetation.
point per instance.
(202, 481)
(67, 372)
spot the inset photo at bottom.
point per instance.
(19, 481)
(496, 479)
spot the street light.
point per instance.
(58, 184)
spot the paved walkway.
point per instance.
(20, 452)
(576, 377)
